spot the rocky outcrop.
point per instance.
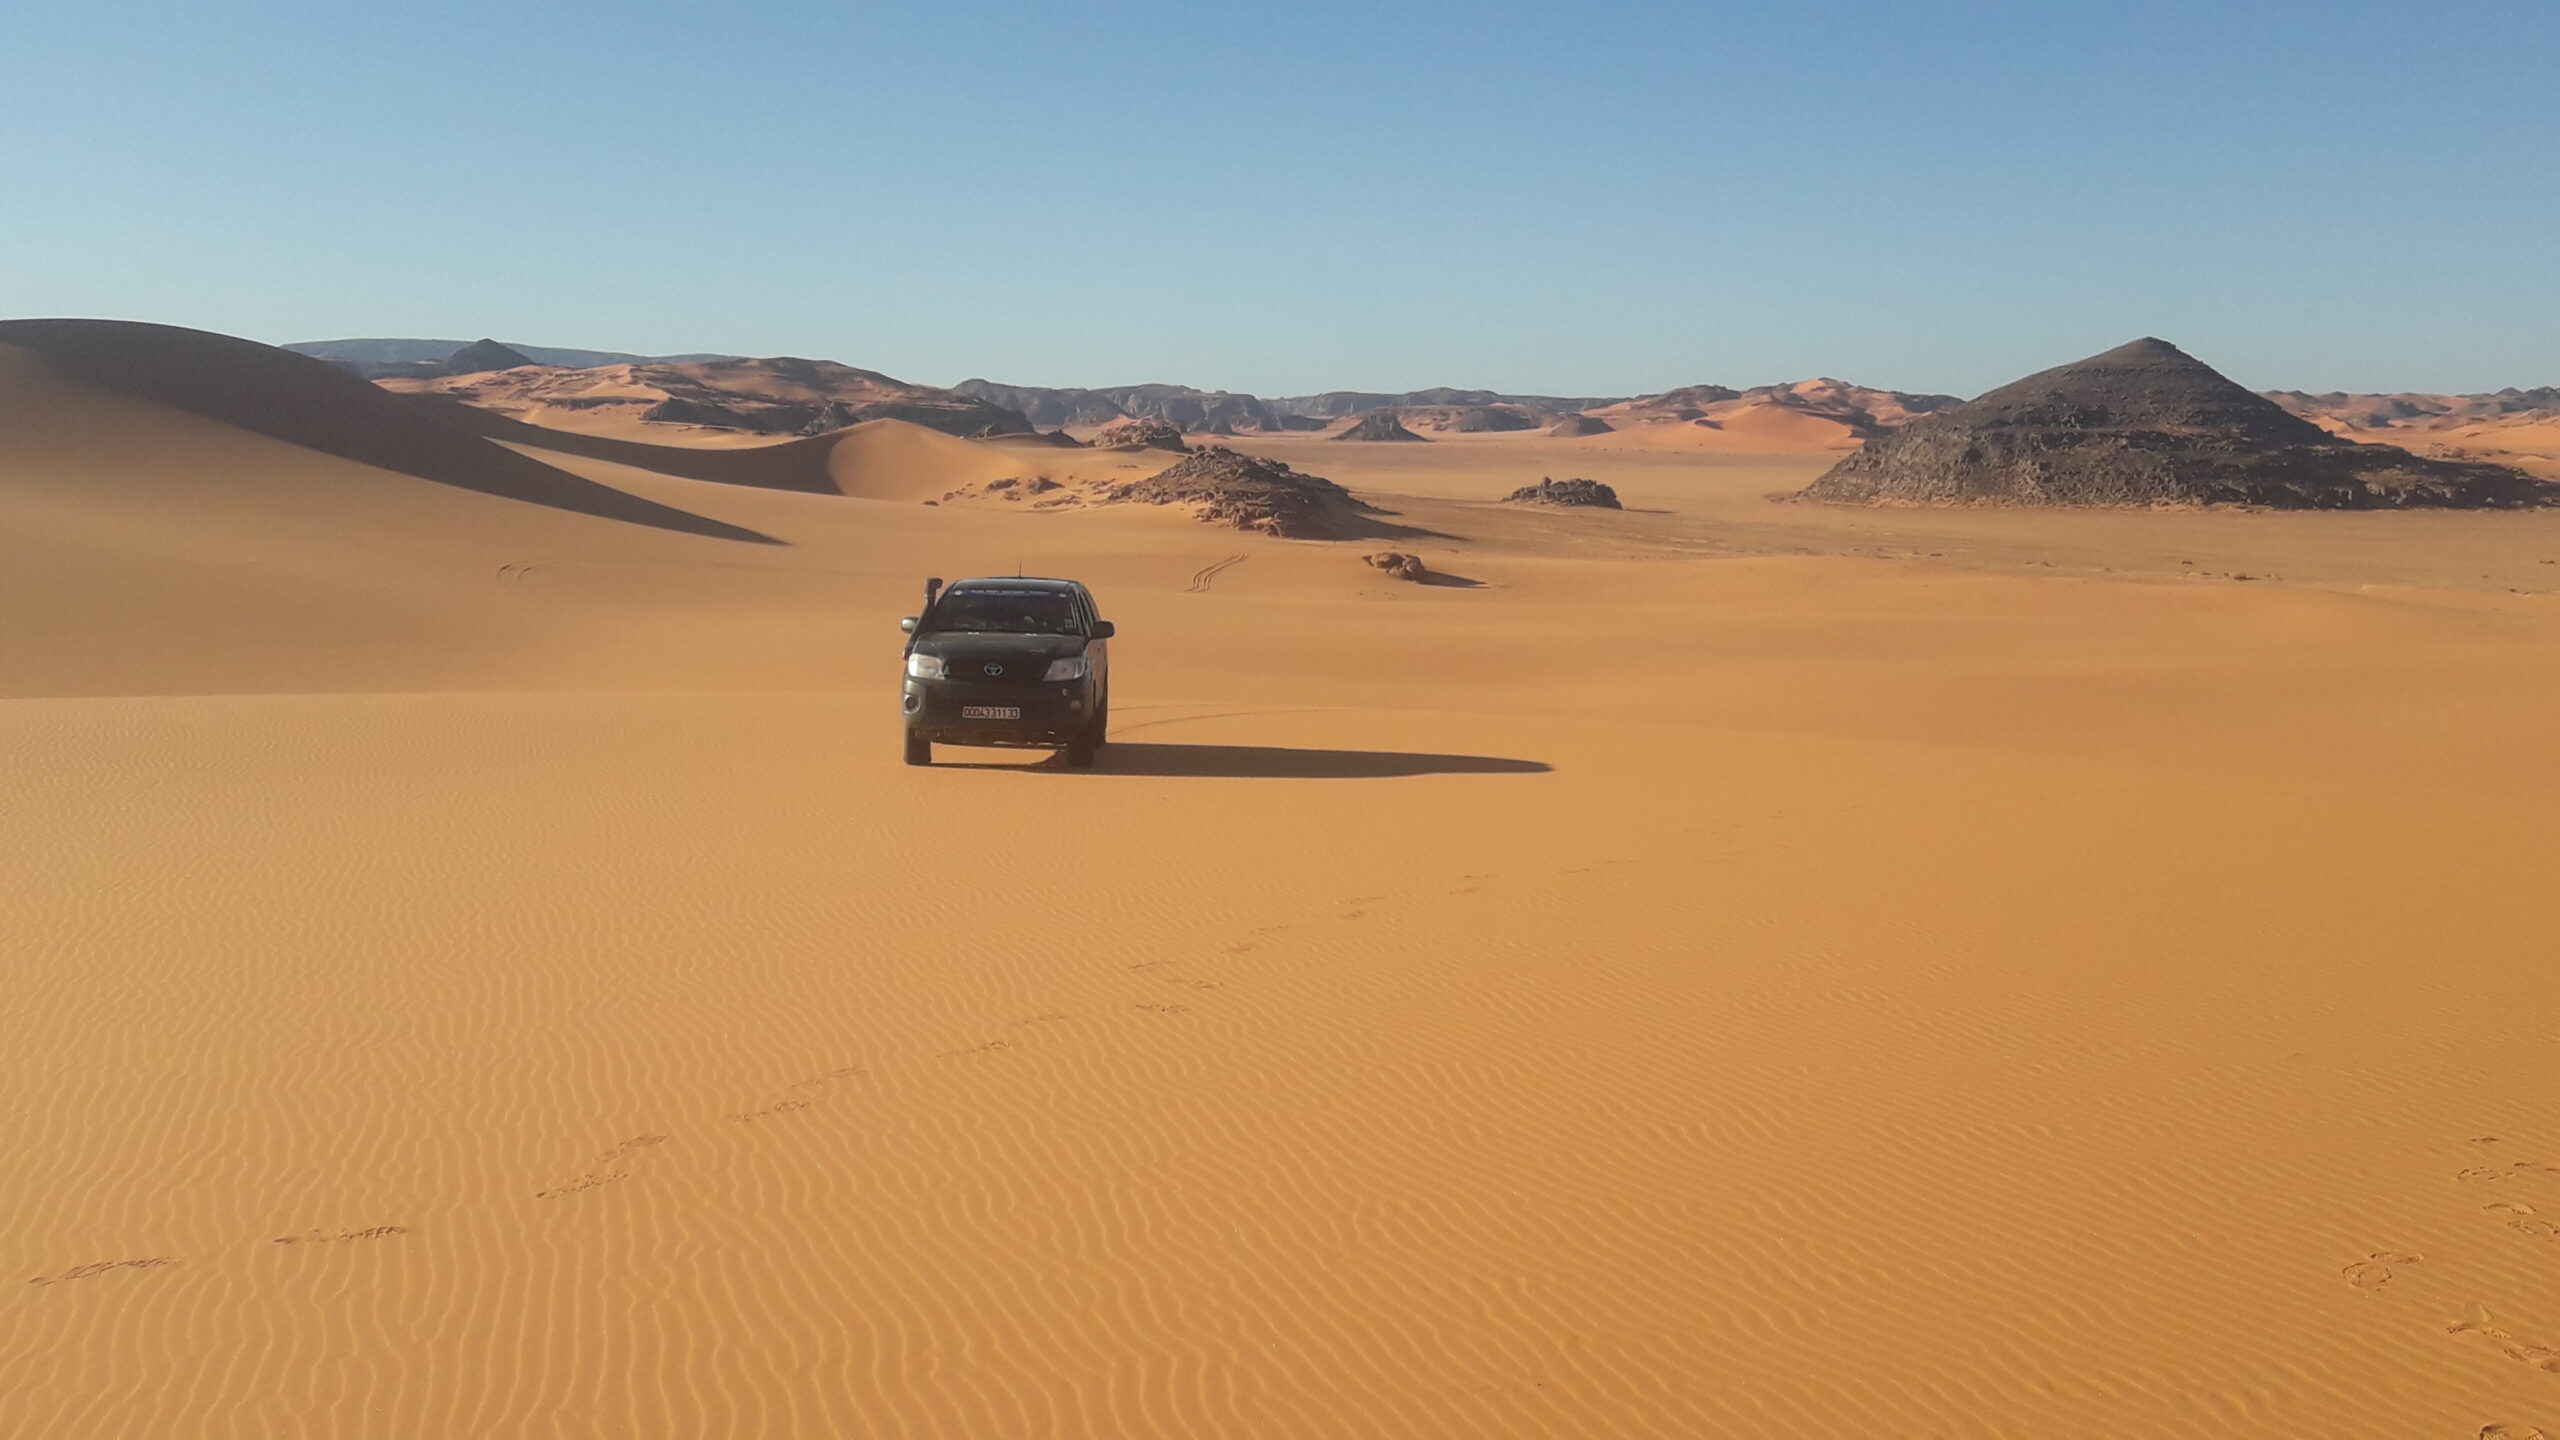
(1140, 435)
(2147, 424)
(1566, 492)
(1574, 427)
(1400, 565)
(1379, 425)
(1248, 493)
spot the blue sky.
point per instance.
(1587, 199)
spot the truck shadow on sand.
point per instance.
(1275, 762)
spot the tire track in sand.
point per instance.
(1207, 575)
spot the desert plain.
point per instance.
(476, 965)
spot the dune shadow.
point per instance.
(1280, 762)
(1367, 526)
(315, 405)
(1449, 582)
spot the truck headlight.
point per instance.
(925, 667)
(1071, 668)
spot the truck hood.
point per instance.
(958, 648)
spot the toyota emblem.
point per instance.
(995, 669)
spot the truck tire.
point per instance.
(919, 749)
(1079, 751)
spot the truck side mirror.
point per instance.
(1104, 629)
(908, 624)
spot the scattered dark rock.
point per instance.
(2148, 424)
(1566, 492)
(1575, 426)
(1138, 434)
(1378, 425)
(1400, 565)
(1249, 493)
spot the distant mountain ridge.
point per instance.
(1341, 404)
(2406, 407)
(781, 396)
(1180, 406)
(390, 355)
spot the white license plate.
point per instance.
(990, 712)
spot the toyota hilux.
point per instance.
(1018, 662)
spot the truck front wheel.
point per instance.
(919, 749)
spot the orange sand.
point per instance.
(1745, 969)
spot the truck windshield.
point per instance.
(1006, 612)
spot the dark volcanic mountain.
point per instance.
(2147, 423)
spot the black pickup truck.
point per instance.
(1008, 662)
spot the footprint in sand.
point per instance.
(589, 1181)
(2492, 1174)
(2535, 1229)
(636, 1142)
(767, 1112)
(2512, 1432)
(102, 1267)
(2526, 1352)
(333, 1237)
(992, 1047)
(2375, 1270)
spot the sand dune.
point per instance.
(308, 404)
(1746, 969)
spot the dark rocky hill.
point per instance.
(485, 354)
(1136, 434)
(1378, 425)
(1551, 491)
(1249, 493)
(2142, 424)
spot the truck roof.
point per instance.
(1013, 582)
